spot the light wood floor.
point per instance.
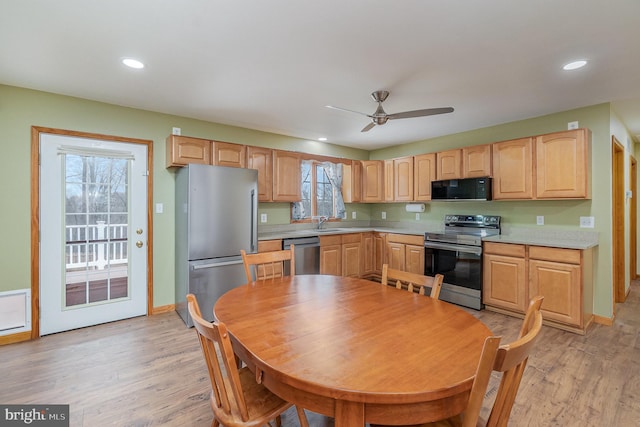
(139, 372)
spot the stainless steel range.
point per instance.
(457, 254)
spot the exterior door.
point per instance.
(93, 231)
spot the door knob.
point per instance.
(139, 243)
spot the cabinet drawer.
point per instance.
(269, 245)
(351, 238)
(569, 256)
(405, 238)
(336, 239)
(508, 249)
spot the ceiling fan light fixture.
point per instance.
(574, 65)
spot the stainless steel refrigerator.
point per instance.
(216, 217)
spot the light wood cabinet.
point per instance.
(449, 164)
(331, 255)
(229, 154)
(476, 161)
(352, 182)
(388, 180)
(513, 169)
(505, 276)
(261, 159)
(562, 165)
(403, 179)
(368, 254)
(286, 176)
(405, 252)
(182, 150)
(351, 254)
(372, 181)
(513, 274)
(552, 166)
(379, 251)
(424, 167)
(341, 255)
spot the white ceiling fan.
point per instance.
(380, 117)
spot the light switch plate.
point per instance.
(159, 208)
(263, 217)
(540, 220)
(384, 215)
(353, 215)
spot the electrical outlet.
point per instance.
(353, 215)
(572, 125)
(176, 131)
(587, 221)
(384, 215)
(263, 217)
(417, 217)
(540, 220)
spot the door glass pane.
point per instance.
(96, 229)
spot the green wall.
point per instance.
(22, 108)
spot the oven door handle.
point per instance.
(476, 250)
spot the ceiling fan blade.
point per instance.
(420, 113)
(368, 127)
(344, 109)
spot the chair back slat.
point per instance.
(268, 265)
(511, 360)
(216, 347)
(411, 281)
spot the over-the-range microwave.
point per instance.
(461, 189)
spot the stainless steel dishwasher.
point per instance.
(307, 253)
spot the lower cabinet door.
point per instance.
(505, 282)
(560, 285)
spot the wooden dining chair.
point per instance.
(268, 265)
(510, 360)
(411, 281)
(237, 400)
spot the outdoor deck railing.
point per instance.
(96, 246)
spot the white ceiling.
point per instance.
(274, 65)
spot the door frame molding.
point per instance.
(35, 213)
(618, 223)
(633, 218)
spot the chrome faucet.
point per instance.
(321, 220)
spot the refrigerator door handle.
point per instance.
(215, 264)
(254, 221)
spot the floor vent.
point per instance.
(15, 311)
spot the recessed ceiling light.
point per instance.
(322, 139)
(133, 63)
(574, 65)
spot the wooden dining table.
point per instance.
(355, 350)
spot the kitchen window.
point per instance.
(321, 184)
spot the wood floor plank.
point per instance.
(133, 373)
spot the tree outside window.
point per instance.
(321, 194)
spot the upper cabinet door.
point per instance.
(261, 159)
(449, 164)
(182, 150)
(424, 167)
(352, 182)
(372, 181)
(286, 176)
(513, 169)
(388, 181)
(229, 154)
(476, 161)
(403, 179)
(562, 165)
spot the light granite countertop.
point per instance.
(558, 238)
